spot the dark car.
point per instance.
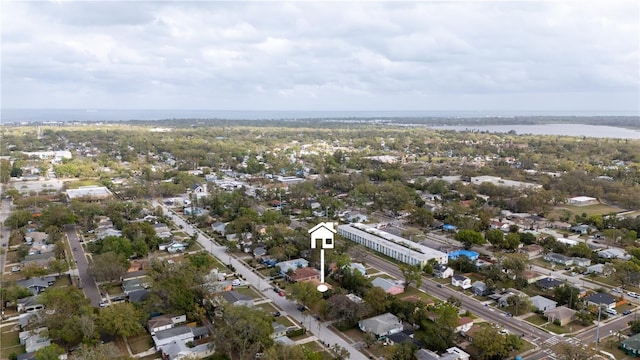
(276, 313)
(626, 312)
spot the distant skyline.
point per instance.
(547, 56)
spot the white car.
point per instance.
(633, 295)
(611, 311)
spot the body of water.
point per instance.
(83, 115)
(13, 116)
(595, 131)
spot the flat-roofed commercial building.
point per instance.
(89, 193)
(391, 245)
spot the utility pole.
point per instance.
(598, 326)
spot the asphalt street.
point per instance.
(89, 286)
(317, 328)
(5, 232)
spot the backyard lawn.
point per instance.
(140, 343)
(10, 343)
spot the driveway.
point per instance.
(89, 286)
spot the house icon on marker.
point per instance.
(324, 232)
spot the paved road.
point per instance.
(89, 286)
(319, 329)
(489, 313)
(5, 231)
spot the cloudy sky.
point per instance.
(539, 56)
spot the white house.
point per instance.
(542, 303)
(381, 325)
(292, 264)
(164, 322)
(441, 271)
(461, 281)
(464, 324)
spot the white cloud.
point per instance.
(321, 55)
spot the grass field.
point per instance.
(140, 343)
(536, 319)
(10, 343)
(597, 209)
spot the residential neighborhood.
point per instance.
(150, 256)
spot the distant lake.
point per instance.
(595, 131)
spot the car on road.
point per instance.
(626, 312)
(616, 290)
(633, 295)
(281, 293)
(440, 285)
(4, 244)
(75, 249)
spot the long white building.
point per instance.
(391, 245)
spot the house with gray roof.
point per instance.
(179, 333)
(41, 260)
(34, 340)
(285, 266)
(479, 288)
(613, 253)
(562, 314)
(37, 284)
(558, 259)
(631, 345)
(382, 325)
(388, 286)
(235, 298)
(549, 283)
(602, 299)
(542, 303)
(29, 304)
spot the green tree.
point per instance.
(567, 295)
(106, 351)
(120, 320)
(65, 307)
(108, 266)
(411, 274)
(5, 171)
(59, 266)
(178, 287)
(57, 215)
(305, 293)
(495, 237)
(243, 332)
(401, 351)
(490, 344)
(378, 300)
(469, 238)
(118, 245)
(511, 241)
(51, 352)
(288, 352)
(18, 219)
